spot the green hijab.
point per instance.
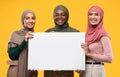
(63, 8)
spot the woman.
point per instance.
(97, 47)
(61, 16)
(18, 47)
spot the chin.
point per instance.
(60, 24)
(30, 27)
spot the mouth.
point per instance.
(30, 24)
(60, 20)
(93, 20)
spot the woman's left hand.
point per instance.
(85, 47)
(28, 36)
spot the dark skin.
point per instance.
(60, 17)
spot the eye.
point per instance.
(56, 15)
(63, 14)
(90, 14)
(96, 14)
(33, 18)
(27, 18)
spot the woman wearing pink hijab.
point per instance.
(97, 46)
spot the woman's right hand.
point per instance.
(84, 46)
(28, 36)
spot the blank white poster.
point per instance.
(56, 51)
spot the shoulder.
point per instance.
(13, 37)
(73, 29)
(14, 33)
(105, 40)
(49, 30)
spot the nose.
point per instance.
(93, 16)
(31, 20)
(59, 16)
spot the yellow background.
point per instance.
(10, 20)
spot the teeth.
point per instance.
(93, 20)
(59, 20)
(30, 24)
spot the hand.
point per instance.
(85, 47)
(28, 36)
(32, 73)
(78, 71)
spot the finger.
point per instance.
(30, 36)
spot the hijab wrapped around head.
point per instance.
(25, 29)
(65, 10)
(19, 35)
(94, 34)
(23, 16)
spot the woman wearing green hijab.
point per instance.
(61, 16)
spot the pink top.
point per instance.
(102, 50)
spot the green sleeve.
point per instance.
(15, 51)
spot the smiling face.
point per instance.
(29, 20)
(60, 17)
(94, 18)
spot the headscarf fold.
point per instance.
(94, 34)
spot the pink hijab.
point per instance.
(94, 34)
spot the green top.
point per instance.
(14, 52)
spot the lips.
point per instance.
(30, 24)
(93, 20)
(59, 21)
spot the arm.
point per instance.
(107, 51)
(15, 51)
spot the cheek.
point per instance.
(55, 18)
(25, 22)
(34, 21)
(98, 19)
(89, 18)
(65, 17)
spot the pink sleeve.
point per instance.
(107, 55)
